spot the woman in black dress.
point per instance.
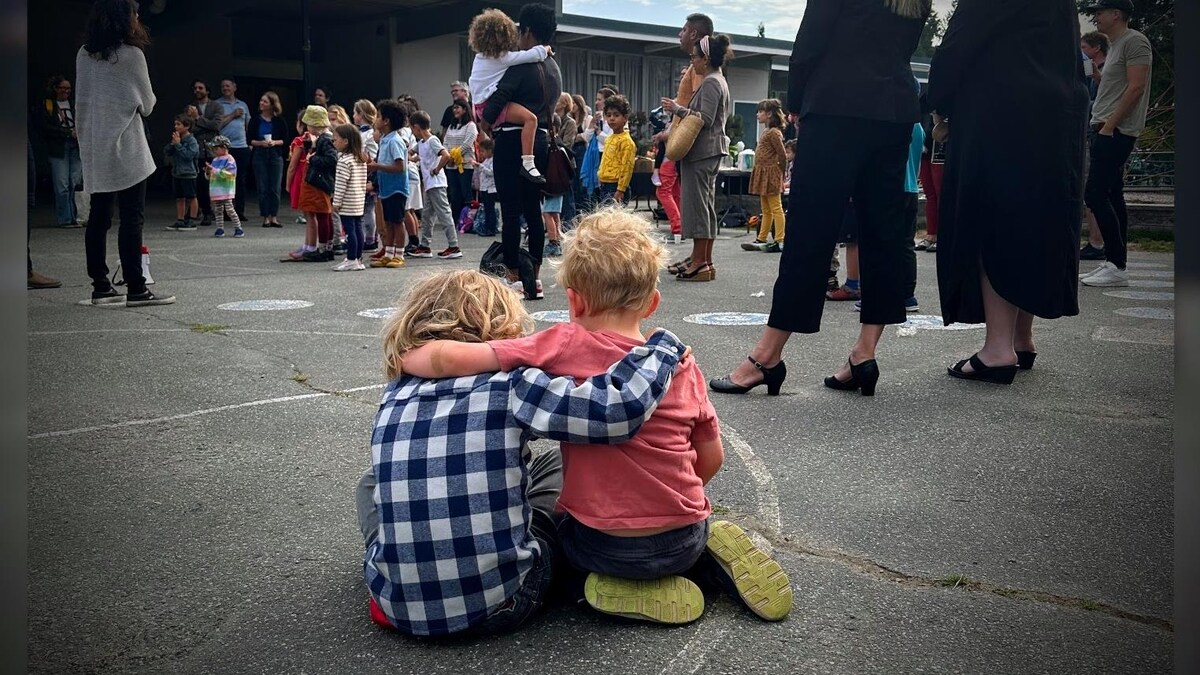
(1007, 84)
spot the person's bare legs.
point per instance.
(180, 206)
(852, 262)
(869, 335)
(193, 209)
(1000, 316)
(768, 351)
(1023, 339)
(515, 113)
(1094, 236)
(553, 222)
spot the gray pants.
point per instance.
(545, 484)
(368, 220)
(650, 557)
(437, 208)
(698, 197)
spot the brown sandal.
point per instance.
(681, 266)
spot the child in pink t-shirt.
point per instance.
(636, 512)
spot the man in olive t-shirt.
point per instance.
(1118, 117)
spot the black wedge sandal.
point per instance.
(675, 268)
(1025, 359)
(983, 372)
(772, 377)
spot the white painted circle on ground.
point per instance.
(1157, 274)
(378, 312)
(1145, 265)
(1159, 313)
(264, 305)
(931, 322)
(1141, 295)
(727, 319)
(1151, 283)
(552, 316)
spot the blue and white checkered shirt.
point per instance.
(454, 539)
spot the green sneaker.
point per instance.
(671, 600)
(759, 580)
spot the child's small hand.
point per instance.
(620, 195)
(549, 50)
(174, 138)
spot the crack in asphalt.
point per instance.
(863, 565)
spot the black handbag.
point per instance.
(492, 263)
(322, 166)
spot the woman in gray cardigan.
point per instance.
(698, 169)
(113, 97)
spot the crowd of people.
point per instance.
(856, 140)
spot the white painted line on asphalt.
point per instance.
(198, 413)
(1144, 265)
(768, 495)
(264, 305)
(1159, 313)
(709, 635)
(378, 312)
(1135, 335)
(728, 319)
(1161, 274)
(1141, 295)
(552, 316)
(1151, 283)
(216, 267)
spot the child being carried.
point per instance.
(494, 38)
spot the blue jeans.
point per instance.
(268, 177)
(354, 236)
(568, 210)
(66, 172)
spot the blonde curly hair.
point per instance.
(612, 260)
(464, 306)
(492, 33)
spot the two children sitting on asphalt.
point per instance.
(465, 532)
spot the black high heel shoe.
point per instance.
(1025, 360)
(863, 377)
(772, 377)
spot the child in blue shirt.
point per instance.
(182, 152)
(391, 181)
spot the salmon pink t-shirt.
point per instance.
(648, 481)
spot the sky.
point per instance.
(780, 18)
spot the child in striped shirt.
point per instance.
(350, 193)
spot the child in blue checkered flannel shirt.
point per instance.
(458, 521)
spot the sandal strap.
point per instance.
(758, 365)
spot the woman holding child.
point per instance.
(698, 168)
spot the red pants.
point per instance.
(668, 193)
(931, 181)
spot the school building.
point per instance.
(378, 48)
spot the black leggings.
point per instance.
(131, 203)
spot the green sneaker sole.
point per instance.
(761, 582)
(670, 600)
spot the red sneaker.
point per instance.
(844, 293)
(379, 254)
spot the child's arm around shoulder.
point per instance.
(706, 434)
(448, 358)
(606, 408)
(535, 54)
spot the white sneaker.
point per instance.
(540, 294)
(1107, 276)
(358, 265)
(344, 266)
(1084, 275)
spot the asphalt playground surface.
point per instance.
(191, 474)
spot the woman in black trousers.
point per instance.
(857, 107)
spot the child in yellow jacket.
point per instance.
(616, 162)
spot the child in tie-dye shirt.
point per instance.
(222, 186)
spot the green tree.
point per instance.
(1156, 18)
(934, 28)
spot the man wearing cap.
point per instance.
(1118, 117)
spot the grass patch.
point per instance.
(719, 510)
(953, 581)
(207, 327)
(1090, 605)
(1149, 239)
(300, 377)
